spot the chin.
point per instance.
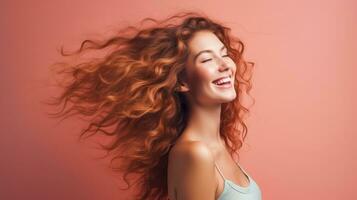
(225, 95)
(227, 99)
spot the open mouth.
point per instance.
(223, 82)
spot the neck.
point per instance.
(204, 124)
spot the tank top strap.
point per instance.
(219, 171)
(244, 172)
(240, 167)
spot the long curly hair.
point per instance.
(130, 95)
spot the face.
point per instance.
(207, 63)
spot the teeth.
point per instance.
(224, 80)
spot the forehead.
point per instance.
(203, 40)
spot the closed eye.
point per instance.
(206, 60)
(211, 59)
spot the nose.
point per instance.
(222, 65)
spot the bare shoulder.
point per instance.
(191, 171)
(192, 151)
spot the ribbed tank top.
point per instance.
(232, 191)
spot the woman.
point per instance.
(172, 95)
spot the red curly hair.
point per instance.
(132, 89)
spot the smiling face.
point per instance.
(208, 61)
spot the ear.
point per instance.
(182, 82)
(183, 87)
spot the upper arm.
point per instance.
(195, 178)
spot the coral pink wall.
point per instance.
(301, 142)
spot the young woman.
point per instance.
(172, 96)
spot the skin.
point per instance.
(191, 171)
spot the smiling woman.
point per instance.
(210, 70)
(172, 92)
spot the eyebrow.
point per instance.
(206, 51)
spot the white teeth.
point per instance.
(224, 80)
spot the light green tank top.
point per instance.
(232, 191)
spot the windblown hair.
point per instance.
(132, 91)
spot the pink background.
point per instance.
(302, 136)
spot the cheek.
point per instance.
(200, 79)
(204, 75)
(233, 67)
(201, 86)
